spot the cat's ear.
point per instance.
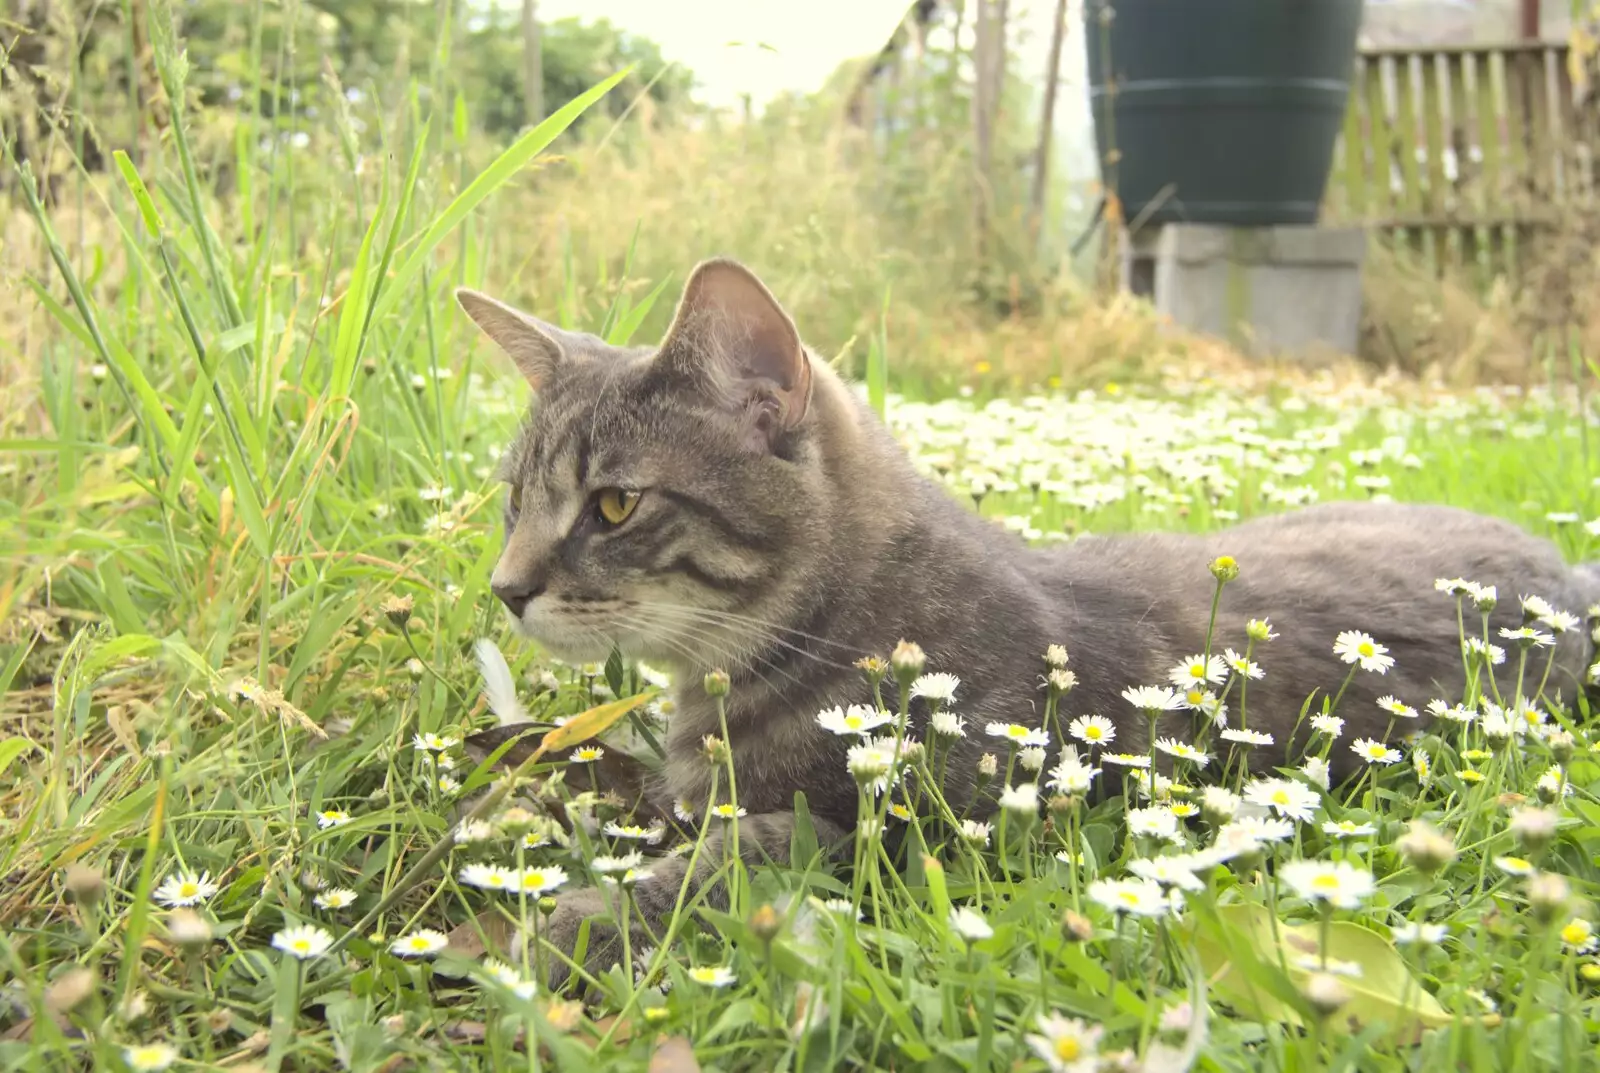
(733, 339)
(536, 347)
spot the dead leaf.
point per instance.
(674, 1055)
(468, 937)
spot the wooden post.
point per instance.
(1530, 20)
(982, 132)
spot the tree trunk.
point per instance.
(532, 63)
(982, 131)
(1041, 157)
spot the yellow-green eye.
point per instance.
(616, 504)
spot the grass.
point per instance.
(249, 524)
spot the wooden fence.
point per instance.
(1466, 155)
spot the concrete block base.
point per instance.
(1288, 291)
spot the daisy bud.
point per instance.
(1076, 928)
(657, 1014)
(1533, 828)
(1061, 806)
(1031, 758)
(1325, 993)
(1561, 745)
(69, 990)
(516, 820)
(1484, 598)
(716, 684)
(1259, 629)
(1055, 656)
(547, 905)
(988, 766)
(134, 1007)
(1060, 681)
(1218, 805)
(1224, 568)
(397, 609)
(189, 930)
(911, 752)
(716, 749)
(908, 660)
(1547, 896)
(1590, 972)
(414, 668)
(219, 1020)
(765, 923)
(394, 1025)
(1425, 848)
(85, 884)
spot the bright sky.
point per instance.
(716, 39)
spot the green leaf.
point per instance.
(10, 749)
(496, 175)
(629, 322)
(1239, 954)
(614, 672)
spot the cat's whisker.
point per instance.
(766, 633)
(682, 632)
(765, 624)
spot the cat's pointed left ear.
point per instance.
(537, 348)
(732, 338)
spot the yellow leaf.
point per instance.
(580, 728)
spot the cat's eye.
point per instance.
(615, 504)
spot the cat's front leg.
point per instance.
(653, 899)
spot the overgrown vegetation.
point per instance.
(248, 527)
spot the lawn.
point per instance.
(250, 520)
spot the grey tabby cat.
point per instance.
(725, 501)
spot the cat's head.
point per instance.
(661, 499)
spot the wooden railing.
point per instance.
(1464, 154)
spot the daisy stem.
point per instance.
(1545, 677)
(736, 887)
(1211, 623)
(1522, 666)
(1349, 676)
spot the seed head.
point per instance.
(68, 991)
(1076, 927)
(86, 885)
(874, 667)
(189, 929)
(397, 609)
(765, 923)
(1548, 895)
(1325, 993)
(1533, 828)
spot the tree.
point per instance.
(532, 62)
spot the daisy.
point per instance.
(1219, 802)
(683, 808)
(634, 832)
(1032, 758)
(1184, 809)
(588, 754)
(1136, 760)
(1066, 1045)
(474, 831)
(434, 743)
(1198, 669)
(1022, 799)
(1153, 698)
(1421, 934)
(1072, 776)
(1061, 681)
(1477, 646)
(713, 975)
(1092, 730)
(336, 898)
(1353, 646)
(1514, 866)
(606, 864)
(1316, 770)
(1183, 751)
(1348, 829)
(898, 811)
(1394, 706)
(1018, 734)
(305, 941)
(859, 719)
(1153, 823)
(1164, 871)
(149, 1057)
(332, 817)
(1247, 737)
(936, 687)
(969, 924)
(1285, 797)
(1128, 896)
(1331, 725)
(871, 763)
(501, 973)
(1331, 966)
(424, 942)
(976, 832)
(1259, 629)
(947, 725)
(537, 882)
(1578, 936)
(727, 812)
(185, 888)
(1528, 637)
(1055, 655)
(1262, 829)
(1374, 752)
(1241, 666)
(1339, 883)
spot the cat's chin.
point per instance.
(565, 646)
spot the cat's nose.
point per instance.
(517, 595)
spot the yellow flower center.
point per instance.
(853, 722)
(301, 946)
(1576, 933)
(1325, 882)
(1016, 731)
(1365, 648)
(188, 890)
(1092, 733)
(1129, 897)
(1068, 1048)
(1280, 797)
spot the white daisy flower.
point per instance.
(1331, 725)
(332, 817)
(1339, 883)
(1418, 933)
(1153, 698)
(1022, 799)
(859, 720)
(1295, 800)
(937, 687)
(1317, 771)
(716, 976)
(1066, 1045)
(1131, 897)
(304, 941)
(1183, 751)
(1241, 666)
(633, 832)
(537, 882)
(1071, 775)
(1163, 870)
(335, 898)
(1018, 735)
(969, 924)
(149, 1057)
(1247, 737)
(975, 832)
(1154, 822)
(184, 889)
(947, 724)
(1356, 647)
(1134, 760)
(1197, 669)
(1374, 752)
(424, 942)
(1092, 730)
(1032, 758)
(1348, 829)
(1394, 706)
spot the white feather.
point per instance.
(499, 688)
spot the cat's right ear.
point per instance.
(534, 346)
